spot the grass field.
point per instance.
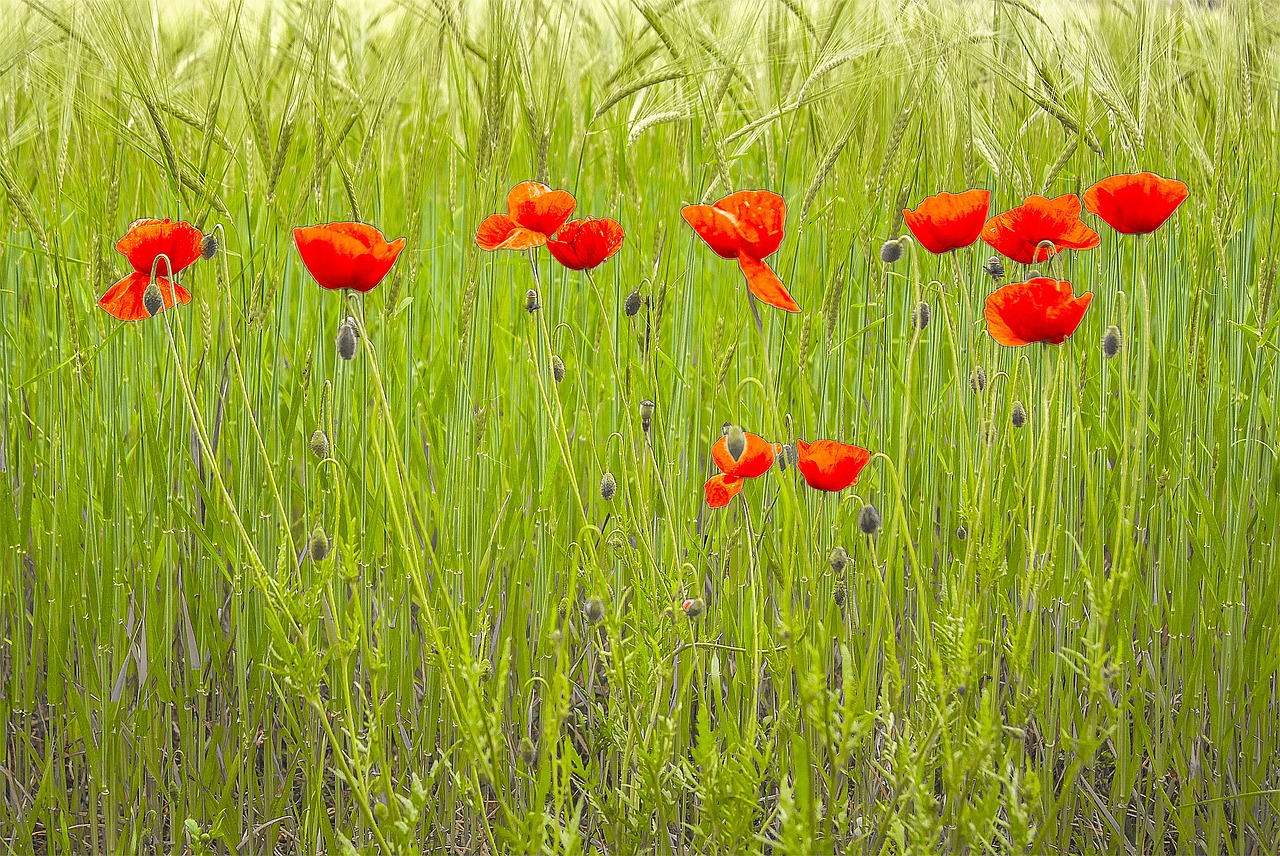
(1064, 639)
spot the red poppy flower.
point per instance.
(534, 213)
(747, 226)
(830, 466)
(755, 460)
(1038, 310)
(145, 242)
(949, 221)
(1135, 203)
(346, 255)
(585, 244)
(1018, 232)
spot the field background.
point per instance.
(1064, 639)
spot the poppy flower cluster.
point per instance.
(826, 465)
(1042, 309)
(537, 215)
(154, 248)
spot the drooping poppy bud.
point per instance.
(646, 415)
(920, 315)
(994, 268)
(346, 342)
(869, 520)
(209, 246)
(632, 304)
(319, 444)
(891, 251)
(557, 369)
(1111, 342)
(593, 610)
(152, 300)
(318, 544)
(1019, 415)
(531, 301)
(839, 559)
(608, 486)
(978, 379)
(694, 608)
(736, 442)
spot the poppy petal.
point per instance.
(721, 489)
(949, 221)
(148, 239)
(124, 299)
(755, 461)
(585, 244)
(765, 285)
(715, 227)
(1038, 310)
(500, 232)
(347, 255)
(759, 216)
(1135, 203)
(830, 466)
(538, 208)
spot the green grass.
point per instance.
(1092, 669)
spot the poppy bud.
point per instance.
(531, 302)
(1033, 274)
(1111, 342)
(632, 304)
(694, 607)
(646, 415)
(736, 442)
(608, 486)
(319, 444)
(554, 637)
(962, 534)
(839, 559)
(318, 545)
(978, 379)
(869, 520)
(891, 251)
(994, 268)
(209, 246)
(920, 316)
(593, 609)
(1019, 417)
(840, 593)
(557, 369)
(347, 339)
(152, 301)
(724, 429)
(786, 456)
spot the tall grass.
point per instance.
(1064, 638)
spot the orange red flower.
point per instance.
(535, 212)
(830, 466)
(1019, 232)
(1135, 203)
(754, 461)
(586, 244)
(347, 255)
(949, 221)
(747, 226)
(1038, 310)
(143, 245)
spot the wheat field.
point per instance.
(491, 612)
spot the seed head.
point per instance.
(531, 302)
(694, 607)
(557, 369)
(319, 444)
(209, 246)
(978, 379)
(646, 415)
(1111, 342)
(891, 251)
(347, 335)
(869, 520)
(839, 559)
(608, 486)
(593, 609)
(736, 442)
(994, 268)
(152, 300)
(318, 545)
(920, 315)
(632, 304)
(1019, 417)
